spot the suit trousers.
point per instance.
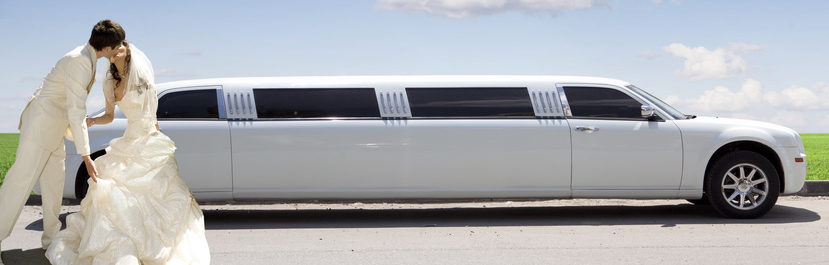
(31, 164)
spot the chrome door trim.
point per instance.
(220, 98)
(565, 105)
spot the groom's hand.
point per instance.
(90, 168)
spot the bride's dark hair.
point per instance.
(114, 70)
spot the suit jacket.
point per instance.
(58, 107)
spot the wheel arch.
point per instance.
(762, 149)
(82, 176)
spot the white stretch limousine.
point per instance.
(459, 137)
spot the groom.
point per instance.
(57, 110)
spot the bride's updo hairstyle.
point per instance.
(113, 71)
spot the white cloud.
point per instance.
(794, 97)
(791, 107)
(475, 8)
(751, 96)
(701, 63)
(723, 99)
(672, 100)
(682, 104)
(789, 118)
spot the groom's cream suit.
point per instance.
(57, 109)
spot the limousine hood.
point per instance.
(747, 129)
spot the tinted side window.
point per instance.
(602, 103)
(189, 104)
(470, 102)
(316, 103)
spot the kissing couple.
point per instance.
(137, 209)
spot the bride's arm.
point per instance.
(103, 119)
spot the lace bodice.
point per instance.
(139, 106)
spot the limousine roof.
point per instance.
(373, 81)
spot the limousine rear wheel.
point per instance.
(742, 184)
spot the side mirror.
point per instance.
(648, 112)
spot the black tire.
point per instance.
(742, 184)
(81, 184)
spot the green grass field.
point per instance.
(817, 154)
(8, 149)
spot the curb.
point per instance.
(810, 188)
(815, 188)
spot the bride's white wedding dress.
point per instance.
(139, 211)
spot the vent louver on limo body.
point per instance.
(240, 105)
(545, 102)
(393, 103)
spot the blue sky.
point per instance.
(761, 60)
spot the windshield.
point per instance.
(659, 103)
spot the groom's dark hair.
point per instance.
(106, 33)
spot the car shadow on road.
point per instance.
(34, 256)
(665, 216)
(602, 215)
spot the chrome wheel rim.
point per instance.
(745, 186)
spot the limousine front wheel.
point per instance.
(742, 184)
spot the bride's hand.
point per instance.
(89, 122)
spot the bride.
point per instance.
(138, 211)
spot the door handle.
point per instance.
(587, 128)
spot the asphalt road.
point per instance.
(501, 232)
